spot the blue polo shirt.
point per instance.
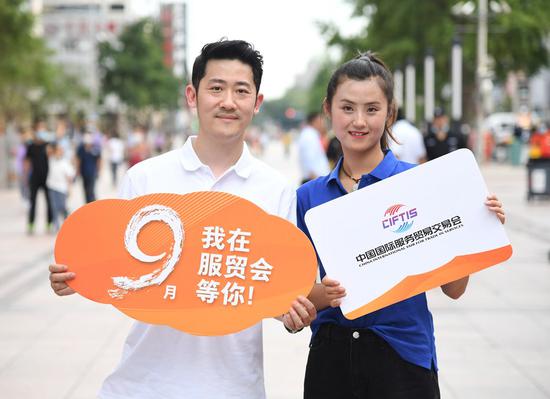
(407, 325)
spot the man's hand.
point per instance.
(300, 315)
(334, 291)
(58, 279)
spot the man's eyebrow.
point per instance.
(224, 82)
(243, 83)
(217, 80)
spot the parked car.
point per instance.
(501, 125)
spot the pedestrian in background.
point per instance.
(115, 149)
(408, 145)
(22, 173)
(312, 156)
(441, 140)
(88, 157)
(334, 151)
(60, 176)
(138, 147)
(389, 353)
(36, 166)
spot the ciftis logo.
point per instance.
(399, 218)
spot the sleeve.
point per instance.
(396, 148)
(79, 152)
(127, 189)
(287, 205)
(28, 151)
(463, 141)
(420, 147)
(312, 154)
(69, 170)
(301, 209)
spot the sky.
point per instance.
(284, 31)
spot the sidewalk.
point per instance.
(492, 343)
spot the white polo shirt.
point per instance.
(161, 362)
(313, 160)
(411, 142)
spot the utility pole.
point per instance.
(410, 91)
(429, 84)
(481, 76)
(456, 75)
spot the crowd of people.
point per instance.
(51, 161)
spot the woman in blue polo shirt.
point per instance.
(389, 353)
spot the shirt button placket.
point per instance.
(356, 372)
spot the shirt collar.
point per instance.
(191, 161)
(385, 168)
(334, 173)
(382, 171)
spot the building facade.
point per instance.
(73, 29)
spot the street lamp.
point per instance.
(410, 91)
(482, 74)
(456, 76)
(483, 71)
(398, 86)
(429, 83)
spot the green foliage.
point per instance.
(133, 68)
(408, 28)
(318, 89)
(303, 99)
(275, 109)
(520, 36)
(23, 63)
(25, 67)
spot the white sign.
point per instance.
(409, 233)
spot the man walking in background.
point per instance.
(410, 142)
(312, 156)
(441, 140)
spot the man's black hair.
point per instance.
(311, 116)
(228, 50)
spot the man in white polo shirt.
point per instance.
(158, 361)
(312, 156)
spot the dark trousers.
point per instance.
(34, 187)
(89, 188)
(348, 363)
(114, 171)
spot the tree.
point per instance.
(409, 28)
(318, 89)
(28, 79)
(133, 69)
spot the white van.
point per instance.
(501, 125)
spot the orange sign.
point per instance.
(207, 263)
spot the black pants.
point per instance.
(35, 185)
(114, 171)
(348, 363)
(89, 188)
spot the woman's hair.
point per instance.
(363, 67)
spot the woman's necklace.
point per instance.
(356, 181)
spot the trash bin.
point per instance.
(538, 178)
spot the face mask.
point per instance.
(44, 136)
(442, 129)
